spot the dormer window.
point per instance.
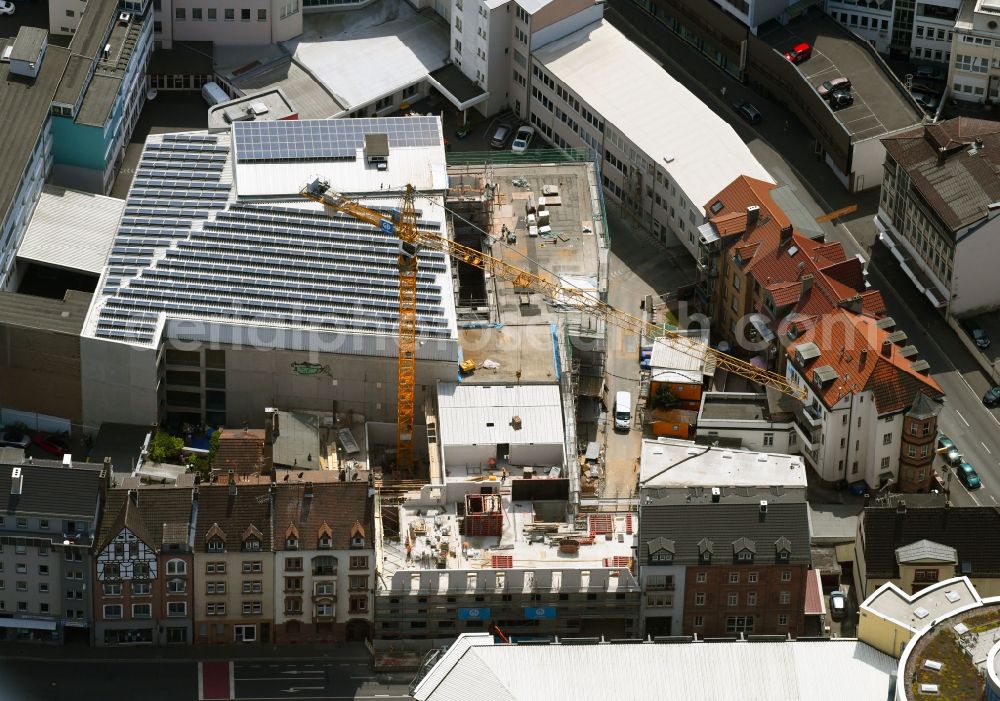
(251, 545)
(661, 551)
(783, 549)
(291, 537)
(661, 557)
(783, 555)
(325, 541)
(358, 541)
(215, 539)
(215, 545)
(744, 556)
(357, 535)
(706, 557)
(292, 543)
(251, 539)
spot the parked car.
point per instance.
(746, 110)
(968, 476)
(51, 444)
(944, 443)
(928, 102)
(829, 87)
(799, 53)
(952, 456)
(992, 397)
(6, 8)
(522, 140)
(929, 73)
(501, 135)
(840, 99)
(15, 439)
(976, 333)
(838, 605)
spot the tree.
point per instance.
(663, 398)
(165, 448)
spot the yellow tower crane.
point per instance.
(411, 239)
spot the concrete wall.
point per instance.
(543, 455)
(974, 279)
(118, 383)
(40, 372)
(882, 634)
(62, 23)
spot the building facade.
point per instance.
(46, 533)
(902, 28)
(945, 246)
(253, 22)
(324, 562)
(143, 591)
(234, 578)
(974, 72)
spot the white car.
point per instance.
(522, 140)
(6, 8)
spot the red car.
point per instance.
(799, 53)
(51, 444)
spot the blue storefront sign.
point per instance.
(534, 613)
(477, 614)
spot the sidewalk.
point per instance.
(186, 653)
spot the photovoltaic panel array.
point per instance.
(184, 249)
(327, 139)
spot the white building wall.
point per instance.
(869, 155)
(763, 438)
(932, 40)
(191, 20)
(974, 286)
(676, 611)
(870, 23)
(341, 582)
(64, 16)
(477, 456)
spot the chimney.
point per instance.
(807, 282)
(979, 144)
(763, 506)
(515, 423)
(133, 496)
(309, 491)
(786, 235)
(862, 358)
(753, 215)
(232, 483)
(67, 460)
(942, 153)
(887, 349)
(901, 507)
(108, 475)
(16, 481)
(716, 495)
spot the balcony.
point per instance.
(811, 414)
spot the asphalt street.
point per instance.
(159, 679)
(785, 148)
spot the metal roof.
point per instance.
(697, 148)
(185, 250)
(71, 229)
(72, 492)
(671, 462)
(477, 667)
(483, 414)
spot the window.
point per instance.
(911, 450)
(22, 549)
(324, 610)
(142, 611)
(925, 575)
(261, 15)
(358, 604)
(21, 586)
(251, 566)
(293, 605)
(252, 587)
(324, 588)
(215, 587)
(22, 523)
(217, 609)
(112, 610)
(141, 588)
(324, 565)
(732, 599)
(293, 583)
(701, 577)
(215, 545)
(177, 608)
(176, 586)
(752, 578)
(245, 14)
(141, 570)
(784, 597)
(43, 588)
(251, 608)
(751, 598)
(212, 14)
(739, 624)
(734, 577)
(196, 14)
(886, 438)
(251, 545)
(293, 564)
(176, 567)
(358, 582)
(359, 562)
(230, 14)
(244, 634)
(22, 606)
(179, 13)
(744, 555)
(768, 439)
(70, 13)
(699, 621)
(699, 599)
(43, 570)
(291, 543)
(854, 467)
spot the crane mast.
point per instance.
(412, 240)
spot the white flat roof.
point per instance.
(482, 414)
(918, 611)
(363, 55)
(669, 363)
(640, 99)
(669, 462)
(71, 229)
(477, 667)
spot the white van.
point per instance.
(213, 93)
(623, 411)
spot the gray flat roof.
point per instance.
(73, 80)
(24, 105)
(881, 104)
(60, 315)
(457, 83)
(278, 107)
(89, 36)
(311, 98)
(526, 349)
(28, 44)
(736, 408)
(100, 98)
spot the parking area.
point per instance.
(880, 103)
(990, 323)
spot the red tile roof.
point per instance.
(241, 451)
(785, 293)
(853, 346)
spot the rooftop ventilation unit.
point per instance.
(763, 506)
(16, 481)
(377, 150)
(5, 58)
(716, 495)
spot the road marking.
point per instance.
(961, 417)
(278, 679)
(988, 412)
(993, 498)
(297, 689)
(201, 684)
(215, 680)
(987, 449)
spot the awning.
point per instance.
(30, 623)
(456, 87)
(760, 323)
